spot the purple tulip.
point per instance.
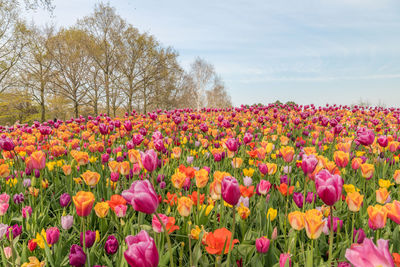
(111, 245)
(142, 250)
(230, 190)
(310, 197)
(360, 234)
(298, 199)
(77, 256)
(65, 200)
(90, 237)
(336, 222)
(16, 230)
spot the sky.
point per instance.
(307, 51)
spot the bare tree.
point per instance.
(36, 66)
(71, 65)
(218, 96)
(11, 43)
(106, 27)
(202, 73)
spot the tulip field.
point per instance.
(275, 185)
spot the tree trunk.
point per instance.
(42, 102)
(76, 109)
(107, 89)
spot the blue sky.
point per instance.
(308, 51)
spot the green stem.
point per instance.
(171, 259)
(331, 239)
(232, 237)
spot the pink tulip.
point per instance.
(365, 136)
(230, 190)
(367, 254)
(262, 245)
(284, 258)
(149, 160)
(141, 196)
(329, 187)
(26, 211)
(3, 208)
(142, 251)
(157, 227)
(120, 210)
(263, 187)
(308, 164)
(52, 235)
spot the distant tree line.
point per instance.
(100, 64)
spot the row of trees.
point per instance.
(101, 64)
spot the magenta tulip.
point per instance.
(77, 256)
(328, 186)
(142, 251)
(230, 190)
(149, 160)
(232, 144)
(308, 164)
(365, 136)
(52, 235)
(141, 196)
(262, 245)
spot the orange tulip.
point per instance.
(356, 163)
(246, 191)
(215, 190)
(313, 223)
(177, 179)
(66, 169)
(201, 178)
(283, 188)
(101, 209)
(38, 160)
(113, 166)
(341, 158)
(116, 200)
(184, 206)
(90, 178)
(124, 168)
(272, 167)
(237, 162)
(83, 203)
(134, 156)
(4, 170)
(287, 153)
(296, 220)
(396, 176)
(393, 210)
(367, 170)
(216, 241)
(377, 216)
(382, 194)
(354, 201)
